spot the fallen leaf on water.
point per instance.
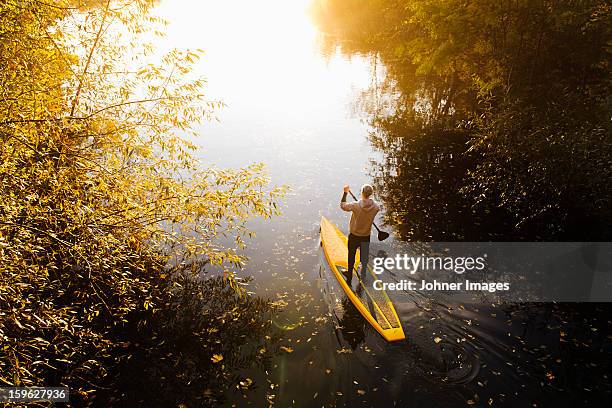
(287, 349)
(216, 358)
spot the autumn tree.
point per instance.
(103, 203)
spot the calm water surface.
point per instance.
(293, 108)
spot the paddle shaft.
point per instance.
(355, 198)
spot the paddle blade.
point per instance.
(382, 235)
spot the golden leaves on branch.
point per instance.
(101, 206)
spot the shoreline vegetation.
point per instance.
(104, 239)
(493, 118)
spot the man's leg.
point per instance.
(353, 244)
(364, 254)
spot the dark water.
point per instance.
(301, 111)
(454, 354)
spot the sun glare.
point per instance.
(261, 58)
(253, 26)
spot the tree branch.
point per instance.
(89, 57)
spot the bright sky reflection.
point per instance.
(262, 60)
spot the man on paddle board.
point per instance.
(360, 226)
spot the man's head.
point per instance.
(366, 191)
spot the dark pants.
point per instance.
(354, 242)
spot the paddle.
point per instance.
(382, 235)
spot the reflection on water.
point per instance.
(493, 119)
(289, 105)
(349, 323)
(189, 351)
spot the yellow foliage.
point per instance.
(101, 195)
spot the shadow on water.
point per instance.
(191, 351)
(349, 323)
(455, 354)
(476, 354)
(437, 363)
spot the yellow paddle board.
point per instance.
(374, 305)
